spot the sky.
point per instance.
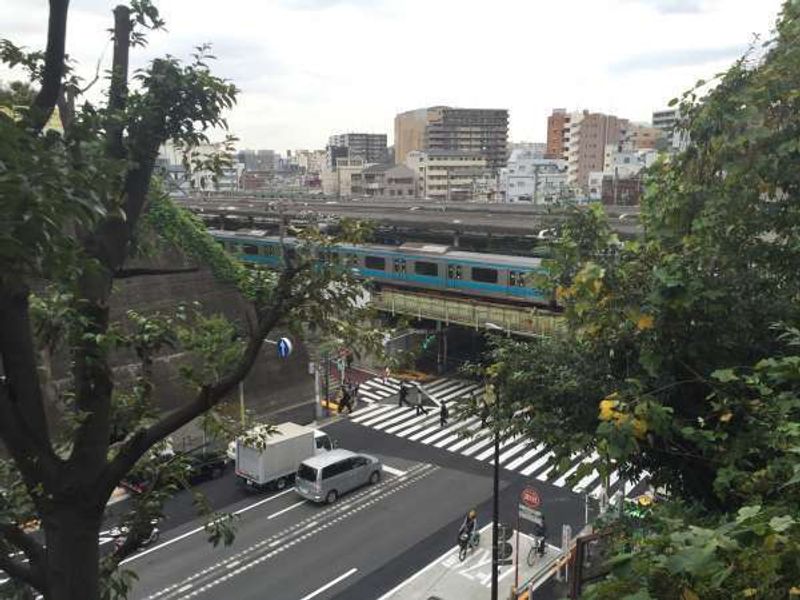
(311, 68)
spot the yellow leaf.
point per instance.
(749, 592)
(598, 285)
(644, 322)
(726, 416)
(607, 407)
(795, 591)
(639, 428)
(689, 594)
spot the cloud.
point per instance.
(666, 59)
(676, 7)
(324, 4)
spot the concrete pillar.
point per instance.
(456, 238)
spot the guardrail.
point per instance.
(517, 320)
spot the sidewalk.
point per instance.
(448, 578)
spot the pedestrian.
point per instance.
(402, 396)
(484, 413)
(354, 395)
(385, 375)
(444, 414)
(345, 403)
(419, 406)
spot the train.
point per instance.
(410, 265)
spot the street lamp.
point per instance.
(492, 397)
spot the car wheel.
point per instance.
(332, 497)
(375, 477)
(280, 483)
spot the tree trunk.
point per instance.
(72, 553)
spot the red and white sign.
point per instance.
(530, 498)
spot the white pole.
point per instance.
(241, 402)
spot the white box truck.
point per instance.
(264, 459)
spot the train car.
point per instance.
(411, 265)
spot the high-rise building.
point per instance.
(531, 178)
(557, 126)
(370, 147)
(471, 130)
(666, 119)
(586, 136)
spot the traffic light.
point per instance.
(504, 549)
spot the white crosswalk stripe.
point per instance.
(516, 454)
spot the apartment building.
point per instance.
(531, 178)
(557, 127)
(448, 174)
(477, 131)
(385, 181)
(586, 137)
(341, 181)
(370, 147)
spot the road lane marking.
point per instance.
(428, 567)
(393, 471)
(198, 529)
(188, 586)
(330, 584)
(285, 510)
(261, 551)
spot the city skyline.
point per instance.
(312, 68)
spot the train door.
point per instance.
(454, 275)
(399, 269)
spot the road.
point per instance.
(359, 548)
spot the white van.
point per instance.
(325, 477)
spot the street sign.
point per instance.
(530, 498)
(284, 347)
(530, 514)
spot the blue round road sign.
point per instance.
(284, 347)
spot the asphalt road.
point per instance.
(359, 548)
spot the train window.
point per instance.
(454, 271)
(484, 275)
(375, 262)
(400, 265)
(250, 249)
(516, 279)
(426, 268)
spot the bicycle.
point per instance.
(538, 548)
(467, 542)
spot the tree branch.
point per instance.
(143, 272)
(53, 65)
(23, 424)
(118, 90)
(132, 450)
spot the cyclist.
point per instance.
(470, 525)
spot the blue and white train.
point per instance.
(411, 265)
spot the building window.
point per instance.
(483, 275)
(375, 262)
(426, 268)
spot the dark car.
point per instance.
(202, 463)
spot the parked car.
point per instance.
(201, 463)
(326, 477)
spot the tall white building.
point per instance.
(448, 174)
(531, 178)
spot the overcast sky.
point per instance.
(310, 68)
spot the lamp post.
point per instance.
(492, 397)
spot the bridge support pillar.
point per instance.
(456, 238)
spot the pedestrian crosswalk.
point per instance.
(522, 456)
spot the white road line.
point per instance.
(201, 528)
(371, 422)
(433, 426)
(563, 479)
(285, 510)
(515, 450)
(538, 464)
(330, 584)
(427, 567)
(394, 428)
(489, 439)
(396, 418)
(422, 424)
(467, 440)
(445, 431)
(372, 413)
(393, 471)
(525, 457)
(490, 452)
(185, 588)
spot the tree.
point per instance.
(675, 363)
(76, 207)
